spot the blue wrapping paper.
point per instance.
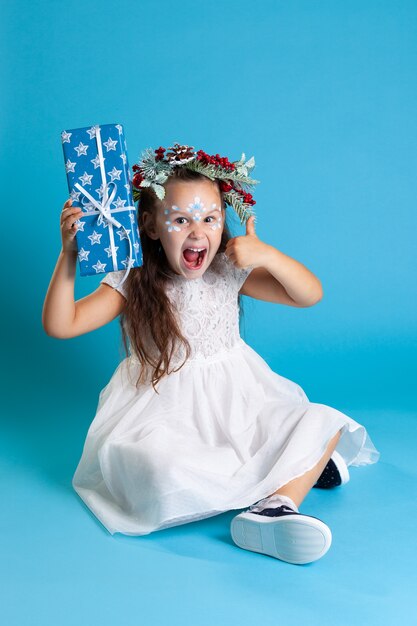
(99, 182)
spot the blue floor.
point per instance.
(60, 566)
(323, 95)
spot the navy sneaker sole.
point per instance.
(292, 537)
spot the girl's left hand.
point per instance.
(247, 249)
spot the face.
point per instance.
(190, 219)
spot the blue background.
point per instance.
(324, 95)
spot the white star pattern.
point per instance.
(75, 195)
(86, 178)
(119, 202)
(100, 191)
(83, 255)
(122, 234)
(115, 174)
(69, 166)
(92, 131)
(95, 238)
(65, 137)
(109, 252)
(101, 221)
(110, 144)
(127, 261)
(99, 267)
(81, 149)
(96, 161)
(88, 206)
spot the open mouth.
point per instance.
(194, 257)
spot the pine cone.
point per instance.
(180, 154)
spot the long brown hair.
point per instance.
(148, 319)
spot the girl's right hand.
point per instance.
(69, 215)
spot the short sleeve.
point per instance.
(238, 275)
(113, 279)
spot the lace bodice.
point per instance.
(207, 307)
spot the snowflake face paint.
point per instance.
(196, 211)
(190, 225)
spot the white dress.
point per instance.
(224, 432)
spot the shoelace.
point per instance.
(260, 506)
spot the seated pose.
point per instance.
(194, 422)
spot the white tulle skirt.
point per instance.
(223, 433)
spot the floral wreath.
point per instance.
(155, 167)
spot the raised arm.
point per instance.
(276, 277)
(62, 317)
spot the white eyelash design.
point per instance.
(218, 224)
(171, 226)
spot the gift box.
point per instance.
(99, 182)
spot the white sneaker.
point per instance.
(282, 533)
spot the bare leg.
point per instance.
(298, 488)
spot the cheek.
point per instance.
(218, 225)
(171, 227)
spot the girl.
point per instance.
(193, 421)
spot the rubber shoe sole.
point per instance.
(296, 539)
(341, 466)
